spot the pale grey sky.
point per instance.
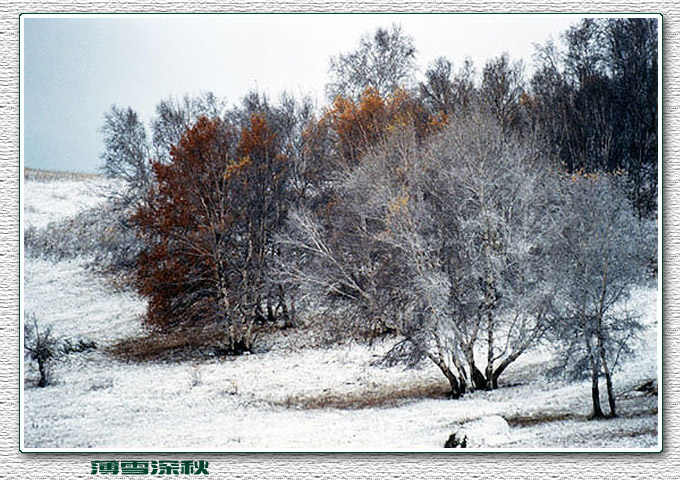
(74, 68)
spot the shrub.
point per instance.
(41, 347)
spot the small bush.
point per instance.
(79, 346)
(41, 347)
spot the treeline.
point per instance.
(459, 215)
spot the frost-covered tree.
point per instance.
(438, 241)
(126, 154)
(497, 200)
(602, 253)
(384, 61)
(491, 202)
(357, 262)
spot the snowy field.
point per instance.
(47, 200)
(296, 396)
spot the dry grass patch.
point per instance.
(387, 396)
(177, 345)
(532, 420)
(635, 408)
(639, 433)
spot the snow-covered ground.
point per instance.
(308, 399)
(46, 201)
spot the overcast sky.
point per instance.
(75, 68)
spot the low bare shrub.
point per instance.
(41, 347)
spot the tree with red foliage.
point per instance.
(205, 227)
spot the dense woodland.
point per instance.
(469, 216)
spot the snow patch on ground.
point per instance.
(483, 432)
(45, 202)
(75, 303)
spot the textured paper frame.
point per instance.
(19, 465)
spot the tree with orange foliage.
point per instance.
(360, 125)
(205, 228)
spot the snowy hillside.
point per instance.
(296, 395)
(48, 199)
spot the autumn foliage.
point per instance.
(208, 222)
(359, 125)
(205, 226)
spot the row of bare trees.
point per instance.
(441, 215)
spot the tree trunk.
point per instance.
(478, 377)
(477, 380)
(453, 381)
(595, 391)
(43, 374)
(601, 354)
(497, 373)
(489, 355)
(610, 386)
(462, 387)
(508, 360)
(595, 386)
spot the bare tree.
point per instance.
(127, 158)
(444, 91)
(41, 347)
(287, 122)
(632, 56)
(437, 90)
(502, 86)
(126, 154)
(596, 102)
(175, 116)
(603, 252)
(383, 61)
